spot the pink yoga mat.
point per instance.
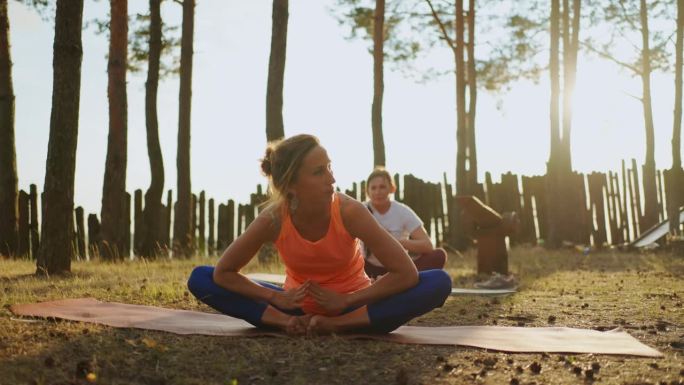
(503, 338)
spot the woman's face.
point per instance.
(315, 180)
(379, 189)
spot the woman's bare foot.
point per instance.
(322, 325)
(292, 325)
(297, 325)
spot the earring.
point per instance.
(294, 203)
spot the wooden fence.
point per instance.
(609, 211)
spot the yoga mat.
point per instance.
(482, 292)
(279, 279)
(503, 338)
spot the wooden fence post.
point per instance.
(637, 195)
(167, 223)
(448, 210)
(596, 185)
(439, 214)
(527, 228)
(230, 220)
(353, 192)
(398, 195)
(635, 200)
(93, 236)
(211, 243)
(23, 237)
(200, 225)
(585, 211)
(221, 225)
(193, 222)
(137, 221)
(80, 234)
(625, 209)
(240, 215)
(539, 183)
(33, 225)
(127, 225)
(613, 210)
(662, 202)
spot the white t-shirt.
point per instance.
(399, 220)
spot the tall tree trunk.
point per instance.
(151, 237)
(650, 217)
(114, 216)
(378, 83)
(275, 129)
(182, 226)
(569, 217)
(676, 173)
(458, 238)
(461, 123)
(472, 101)
(9, 204)
(570, 48)
(56, 245)
(464, 140)
(552, 174)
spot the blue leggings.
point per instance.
(385, 315)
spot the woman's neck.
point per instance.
(311, 212)
(382, 207)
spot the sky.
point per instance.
(328, 93)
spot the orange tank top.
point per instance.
(334, 261)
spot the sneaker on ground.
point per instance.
(498, 281)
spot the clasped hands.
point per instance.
(331, 301)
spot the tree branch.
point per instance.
(441, 26)
(641, 100)
(627, 18)
(606, 55)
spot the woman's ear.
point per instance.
(393, 188)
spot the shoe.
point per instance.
(498, 281)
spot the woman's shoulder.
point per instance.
(346, 201)
(271, 218)
(349, 207)
(353, 213)
(404, 210)
(400, 206)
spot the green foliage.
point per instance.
(511, 37)
(402, 41)
(517, 44)
(45, 8)
(138, 47)
(138, 41)
(615, 34)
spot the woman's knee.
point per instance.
(439, 282)
(435, 259)
(200, 276)
(441, 255)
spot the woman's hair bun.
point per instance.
(266, 162)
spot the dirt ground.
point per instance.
(641, 293)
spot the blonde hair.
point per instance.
(281, 163)
(380, 171)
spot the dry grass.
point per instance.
(642, 293)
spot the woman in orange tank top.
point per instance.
(317, 232)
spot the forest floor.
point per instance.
(639, 292)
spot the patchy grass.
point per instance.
(642, 293)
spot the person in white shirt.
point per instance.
(402, 223)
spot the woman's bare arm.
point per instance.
(227, 272)
(418, 241)
(402, 273)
